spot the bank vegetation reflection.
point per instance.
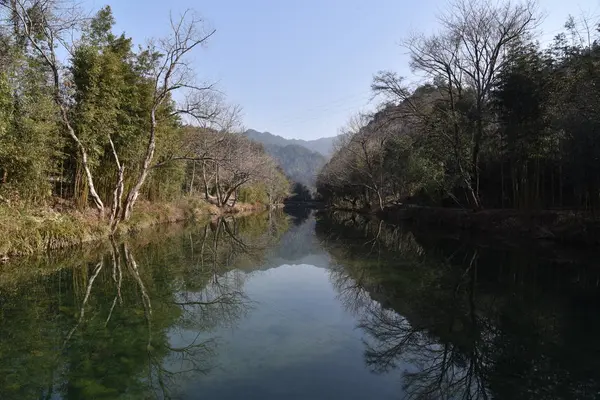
(464, 322)
(137, 321)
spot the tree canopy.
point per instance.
(498, 120)
(88, 118)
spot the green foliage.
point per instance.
(108, 111)
(300, 193)
(253, 194)
(112, 100)
(30, 141)
(529, 143)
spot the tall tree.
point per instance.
(170, 71)
(45, 26)
(465, 59)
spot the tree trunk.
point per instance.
(135, 190)
(230, 192)
(218, 186)
(191, 188)
(502, 183)
(560, 185)
(237, 192)
(472, 197)
(475, 156)
(117, 199)
(204, 180)
(475, 161)
(119, 188)
(380, 199)
(84, 156)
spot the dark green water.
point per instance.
(334, 307)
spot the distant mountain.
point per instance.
(299, 161)
(324, 146)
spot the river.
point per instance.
(307, 307)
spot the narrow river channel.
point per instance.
(306, 307)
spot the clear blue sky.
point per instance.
(301, 68)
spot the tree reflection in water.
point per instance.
(135, 321)
(465, 322)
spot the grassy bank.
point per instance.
(569, 227)
(29, 230)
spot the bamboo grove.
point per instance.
(90, 119)
(499, 121)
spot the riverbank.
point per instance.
(35, 230)
(569, 227)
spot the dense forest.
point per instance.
(89, 119)
(497, 121)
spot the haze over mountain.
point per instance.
(324, 146)
(301, 160)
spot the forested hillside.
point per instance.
(499, 121)
(300, 164)
(323, 146)
(89, 119)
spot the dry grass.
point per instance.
(29, 231)
(33, 230)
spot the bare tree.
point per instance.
(172, 72)
(276, 183)
(467, 54)
(240, 161)
(437, 57)
(484, 29)
(359, 163)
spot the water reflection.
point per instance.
(461, 322)
(134, 321)
(338, 306)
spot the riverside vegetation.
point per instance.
(499, 122)
(98, 137)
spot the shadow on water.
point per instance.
(456, 321)
(132, 320)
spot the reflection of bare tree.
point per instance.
(138, 319)
(219, 301)
(453, 330)
(351, 290)
(441, 361)
(440, 369)
(369, 235)
(449, 363)
(391, 336)
(133, 269)
(88, 291)
(230, 243)
(117, 276)
(191, 358)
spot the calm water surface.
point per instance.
(327, 307)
